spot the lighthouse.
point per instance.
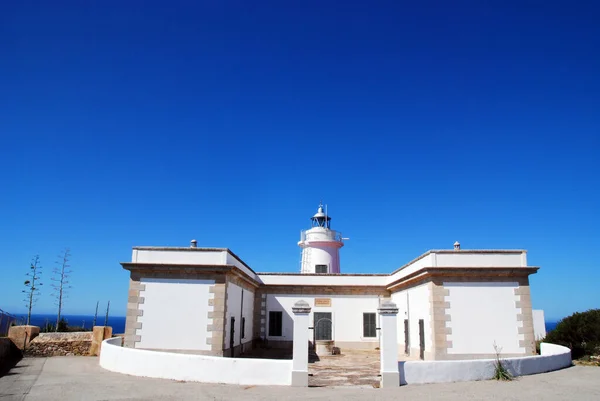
(320, 245)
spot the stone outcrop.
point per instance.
(33, 343)
(60, 344)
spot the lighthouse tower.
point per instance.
(320, 246)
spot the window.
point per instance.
(243, 330)
(369, 325)
(275, 323)
(320, 268)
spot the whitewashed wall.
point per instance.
(234, 308)
(483, 314)
(413, 304)
(175, 314)
(198, 368)
(321, 255)
(553, 357)
(464, 259)
(414, 266)
(539, 324)
(192, 256)
(333, 281)
(516, 258)
(347, 314)
(179, 256)
(232, 260)
(249, 315)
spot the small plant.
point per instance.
(96, 315)
(47, 327)
(106, 317)
(63, 326)
(500, 371)
(61, 284)
(32, 285)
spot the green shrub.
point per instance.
(580, 332)
(63, 326)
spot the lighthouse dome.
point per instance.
(320, 245)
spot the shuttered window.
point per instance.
(275, 323)
(369, 325)
(323, 326)
(320, 268)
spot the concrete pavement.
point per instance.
(80, 378)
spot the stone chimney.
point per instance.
(457, 246)
(193, 243)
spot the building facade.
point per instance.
(453, 304)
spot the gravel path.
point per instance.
(80, 378)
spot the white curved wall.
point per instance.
(321, 254)
(539, 324)
(188, 367)
(553, 357)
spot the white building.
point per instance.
(454, 304)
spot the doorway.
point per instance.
(323, 326)
(231, 335)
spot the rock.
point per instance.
(60, 344)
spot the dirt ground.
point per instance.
(351, 368)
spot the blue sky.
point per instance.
(418, 123)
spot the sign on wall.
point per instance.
(323, 302)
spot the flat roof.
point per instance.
(432, 251)
(450, 251)
(192, 249)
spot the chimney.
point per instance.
(193, 243)
(457, 246)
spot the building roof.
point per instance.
(433, 262)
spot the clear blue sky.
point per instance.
(418, 123)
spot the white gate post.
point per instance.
(388, 337)
(301, 311)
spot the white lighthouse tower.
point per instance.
(320, 246)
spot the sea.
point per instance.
(86, 321)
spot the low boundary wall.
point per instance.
(553, 357)
(198, 368)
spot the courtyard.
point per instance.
(80, 378)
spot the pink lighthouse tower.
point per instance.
(320, 245)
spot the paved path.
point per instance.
(357, 368)
(80, 378)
